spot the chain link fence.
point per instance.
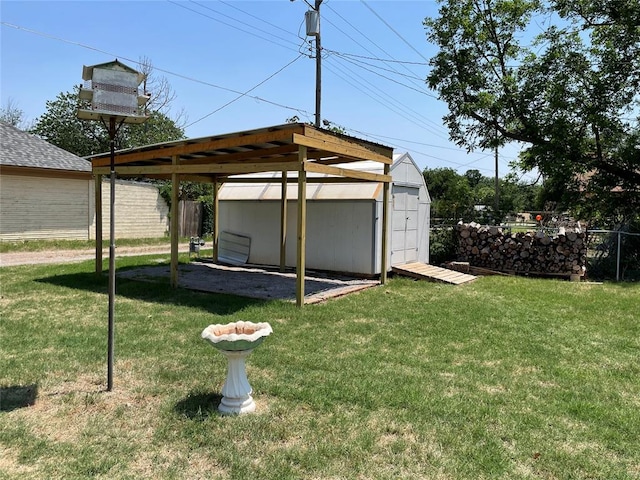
(613, 254)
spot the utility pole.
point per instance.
(318, 67)
(312, 19)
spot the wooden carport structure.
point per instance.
(294, 147)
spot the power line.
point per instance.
(366, 37)
(356, 61)
(423, 92)
(245, 93)
(168, 72)
(248, 32)
(384, 100)
(364, 57)
(420, 143)
(387, 98)
(229, 4)
(393, 30)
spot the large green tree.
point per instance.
(560, 76)
(455, 196)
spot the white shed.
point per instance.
(344, 231)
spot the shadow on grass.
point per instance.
(199, 406)
(17, 396)
(216, 303)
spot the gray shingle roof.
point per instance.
(22, 149)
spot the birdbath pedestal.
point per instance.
(236, 341)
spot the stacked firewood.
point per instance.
(531, 252)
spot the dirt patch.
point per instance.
(253, 282)
(71, 256)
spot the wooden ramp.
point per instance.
(424, 271)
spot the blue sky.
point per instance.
(213, 51)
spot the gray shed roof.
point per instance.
(22, 149)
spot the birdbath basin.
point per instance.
(236, 341)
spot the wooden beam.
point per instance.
(385, 228)
(312, 132)
(230, 169)
(302, 227)
(243, 156)
(98, 215)
(175, 234)
(183, 178)
(345, 172)
(335, 146)
(283, 222)
(190, 148)
(216, 220)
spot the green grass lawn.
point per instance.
(508, 378)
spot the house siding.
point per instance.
(45, 208)
(34, 208)
(140, 211)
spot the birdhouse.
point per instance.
(112, 89)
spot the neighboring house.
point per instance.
(343, 229)
(48, 193)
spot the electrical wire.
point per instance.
(244, 94)
(385, 101)
(229, 4)
(422, 92)
(393, 30)
(168, 72)
(366, 37)
(248, 32)
(357, 61)
(386, 60)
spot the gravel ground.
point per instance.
(243, 281)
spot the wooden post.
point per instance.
(302, 225)
(98, 214)
(283, 223)
(216, 220)
(385, 224)
(175, 199)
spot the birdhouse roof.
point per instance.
(87, 71)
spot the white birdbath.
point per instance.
(236, 341)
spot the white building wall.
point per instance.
(140, 211)
(338, 233)
(39, 207)
(34, 208)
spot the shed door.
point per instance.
(404, 235)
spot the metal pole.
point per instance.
(618, 260)
(112, 256)
(318, 67)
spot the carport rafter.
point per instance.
(299, 148)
